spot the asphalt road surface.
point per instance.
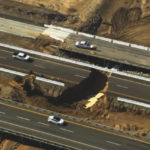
(74, 135)
(20, 28)
(135, 90)
(42, 66)
(106, 50)
(123, 87)
(109, 51)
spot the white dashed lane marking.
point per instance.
(66, 130)
(39, 66)
(117, 144)
(2, 112)
(23, 118)
(122, 86)
(43, 123)
(79, 76)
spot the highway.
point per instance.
(136, 90)
(42, 66)
(105, 50)
(118, 85)
(74, 134)
(20, 28)
(109, 51)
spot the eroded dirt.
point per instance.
(126, 20)
(105, 110)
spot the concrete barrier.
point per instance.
(139, 47)
(76, 62)
(130, 101)
(103, 39)
(99, 37)
(85, 34)
(120, 42)
(66, 117)
(34, 138)
(60, 28)
(37, 78)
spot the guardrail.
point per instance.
(141, 47)
(115, 71)
(34, 138)
(66, 117)
(130, 101)
(37, 78)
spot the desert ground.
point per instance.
(126, 20)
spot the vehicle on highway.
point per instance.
(56, 120)
(85, 44)
(21, 56)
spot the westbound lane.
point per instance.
(118, 85)
(48, 67)
(73, 134)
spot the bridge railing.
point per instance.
(33, 138)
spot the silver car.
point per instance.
(21, 56)
(85, 44)
(56, 120)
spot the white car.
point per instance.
(85, 44)
(21, 56)
(56, 120)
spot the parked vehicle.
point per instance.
(21, 56)
(56, 120)
(85, 44)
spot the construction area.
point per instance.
(126, 20)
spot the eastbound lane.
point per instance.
(74, 135)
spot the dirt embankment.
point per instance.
(72, 102)
(127, 20)
(12, 145)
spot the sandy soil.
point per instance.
(126, 20)
(100, 112)
(63, 6)
(12, 145)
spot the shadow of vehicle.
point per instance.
(30, 60)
